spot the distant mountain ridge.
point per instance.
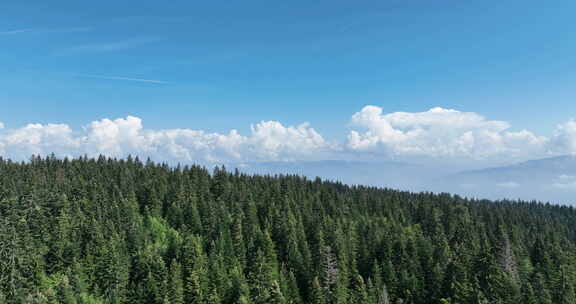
(548, 179)
(552, 166)
(384, 173)
(535, 163)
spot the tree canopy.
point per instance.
(125, 231)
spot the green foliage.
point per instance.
(95, 231)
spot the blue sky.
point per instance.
(222, 65)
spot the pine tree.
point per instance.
(528, 295)
(276, 296)
(384, 297)
(329, 274)
(360, 294)
(175, 284)
(194, 265)
(317, 296)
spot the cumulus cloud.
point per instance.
(439, 132)
(272, 140)
(37, 138)
(564, 140)
(269, 140)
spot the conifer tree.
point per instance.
(175, 286)
(122, 231)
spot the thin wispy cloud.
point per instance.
(106, 46)
(14, 32)
(155, 81)
(69, 29)
(47, 30)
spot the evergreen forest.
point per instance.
(103, 230)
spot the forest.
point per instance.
(103, 230)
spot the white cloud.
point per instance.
(115, 137)
(564, 140)
(269, 140)
(439, 132)
(38, 139)
(1, 125)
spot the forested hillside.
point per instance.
(125, 231)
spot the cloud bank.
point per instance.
(269, 140)
(440, 132)
(436, 133)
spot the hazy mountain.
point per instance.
(550, 179)
(529, 170)
(387, 174)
